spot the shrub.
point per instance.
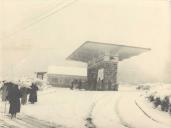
(165, 104)
(151, 98)
(157, 102)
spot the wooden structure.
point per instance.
(59, 76)
(64, 81)
(40, 75)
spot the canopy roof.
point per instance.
(91, 50)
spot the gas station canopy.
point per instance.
(91, 50)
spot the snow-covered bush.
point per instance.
(42, 84)
(157, 102)
(143, 87)
(160, 96)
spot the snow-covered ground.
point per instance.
(65, 108)
(159, 94)
(158, 89)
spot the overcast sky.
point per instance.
(143, 23)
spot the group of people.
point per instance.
(76, 84)
(13, 92)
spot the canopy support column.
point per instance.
(102, 75)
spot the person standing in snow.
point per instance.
(76, 84)
(4, 91)
(5, 88)
(72, 85)
(170, 108)
(102, 85)
(89, 123)
(33, 93)
(13, 97)
(24, 92)
(79, 84)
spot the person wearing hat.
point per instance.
(24, 92)
(13, 97)
(33, 93)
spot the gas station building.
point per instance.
(102, 62)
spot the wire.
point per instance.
(44, 13)
(41, 18)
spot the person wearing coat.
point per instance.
(33, 93)
(72, 85)
(14, 99)
(80, 84)
(24, 92)
(4, 91)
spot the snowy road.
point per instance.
(26, 121)
(63, 108)
(122, 111)
(133, 115)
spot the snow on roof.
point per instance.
(67, 70)
(90, 50)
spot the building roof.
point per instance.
(90, 50)
(67, 70)
(40, 72)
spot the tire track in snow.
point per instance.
(22, 123)
(47, 93)
(126, 124)
(89, 119)
(4, 124)
(105, 102)
(38, 123)
(122, 121)
(26, 121)
(8, 126)
(145, 112)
